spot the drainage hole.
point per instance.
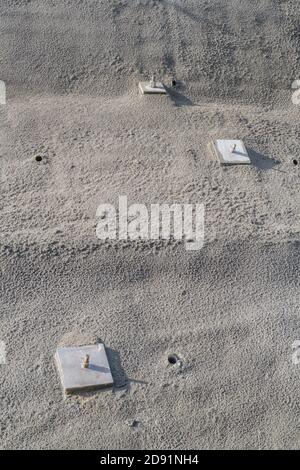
(38, 158)
(172, 359)
(295, 161)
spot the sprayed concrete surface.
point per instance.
(229, 311)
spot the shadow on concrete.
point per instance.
(262, 162)
(117, 371)
(121, 381)
(178, 98)
(103, 370)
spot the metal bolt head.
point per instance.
(153, 81)
(86, 362)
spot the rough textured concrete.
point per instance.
(230, 311)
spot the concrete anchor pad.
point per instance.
(146, 88)
(231, 152)
(83, 368)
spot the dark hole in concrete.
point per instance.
(38, 158)
(174, 83)
(134, 423)
(172, 359)
(295, 161)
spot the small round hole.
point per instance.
(38, 158)
(172, 359)
(174, 83)
(295, 161)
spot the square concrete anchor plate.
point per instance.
(145, 88)
(76, 378)
(231, 152)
